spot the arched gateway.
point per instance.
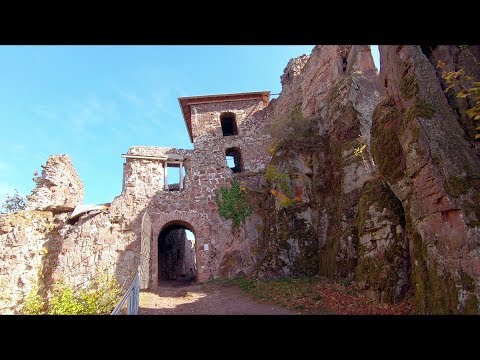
(176, 253)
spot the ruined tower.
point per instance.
(176, 187)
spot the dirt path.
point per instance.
(203, 300)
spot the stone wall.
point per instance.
(59, 188)
(189, 265)
(23, 236)
(39, 249)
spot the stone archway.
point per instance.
(198, 223)
(176, 253)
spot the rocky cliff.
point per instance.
(374, 177)
(429, 162)
(322, 115)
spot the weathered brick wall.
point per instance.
(143, 178)
(39, 248)
(93, 246)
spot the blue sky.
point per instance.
(94, 102)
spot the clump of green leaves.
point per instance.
(465, 87)
(100, 297)
(280, 179)
(233, 203)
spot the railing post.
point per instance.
(136, 294)
(132, 297)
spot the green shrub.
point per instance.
(289, 131)
(34, 303)
(233, 203)
(100, 297)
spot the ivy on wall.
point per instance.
(233, 203)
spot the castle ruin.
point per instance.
(386, 184)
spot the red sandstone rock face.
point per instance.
(457, 58)
(336, 88)
(434, 171)
(383, 267)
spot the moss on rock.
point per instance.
(435, 292)
(419, 109)
(385, 145)
(468, 187)
(382, 272)
(408, 87)
(375, 192)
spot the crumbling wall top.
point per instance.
(59, 188)
(161, 152)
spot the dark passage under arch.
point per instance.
(176, 254)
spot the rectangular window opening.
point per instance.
(174, 176)
(229, 125)
(234, 159)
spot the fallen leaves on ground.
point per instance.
(318, 295)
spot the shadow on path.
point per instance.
(190, 299)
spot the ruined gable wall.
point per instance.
(30, 239)
(59, 186)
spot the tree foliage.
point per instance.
(465, 88)
(13, 202)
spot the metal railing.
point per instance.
(131, 297)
